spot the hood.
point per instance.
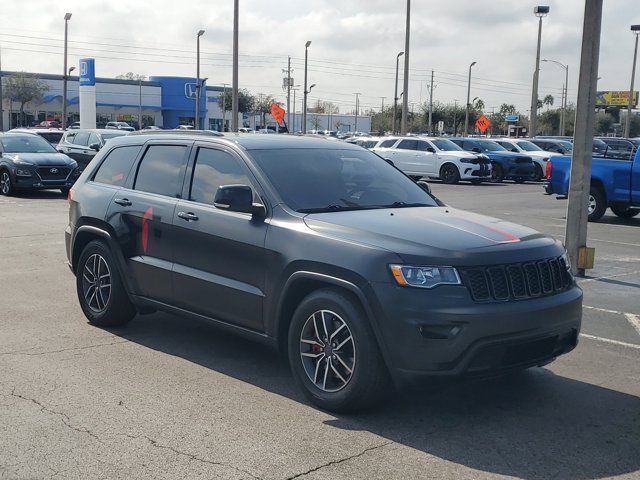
(458, 153)
(437, 235)
(42, 159)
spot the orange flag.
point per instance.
(277, 112)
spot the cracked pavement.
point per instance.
(169, 398)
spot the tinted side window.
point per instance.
(408, 145)
(422, 146)
(70, 136)
(387, 144)
(82, 138)
(470, 145)
(160, 168)
(214, 168)
(93, 138)
(115, 168)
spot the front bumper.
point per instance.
(37, 182)
(443, 332)
(521, 171)
(471, 171)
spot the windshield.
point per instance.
(107, 136)
(13, 143)
(599, 146)
(528, 146)
(323, 180)
(491, 146)
(446, 145)
(568, 146)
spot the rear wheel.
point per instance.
(497, 174)
(597, 204)
(101, 293)
(539, 174)
(476, 181)
(6, 186)
(625, 212)
(334, 355)
(450, 174)
(519, 179)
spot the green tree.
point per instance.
(24, 88)
(604, 123)
(324, 107)
(508, 109)
(548, 101)
(634, 130)
(263, 106)
(246, 101)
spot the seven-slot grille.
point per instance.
(518, 281)
(53, 173)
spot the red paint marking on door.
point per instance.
(148, 215)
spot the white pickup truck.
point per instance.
(434, 158)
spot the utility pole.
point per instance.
(67, 16)
(405, 98)
(198, 86)
(455, 112)
(635, 29)
(580, 179)
(294, 109)
(288, 92)
(1, 97)
(382, 106)
(395, 97)
(224, 107)
(305, 92)
(540, 11)
(234, 81)
(357, 108)
(140, 104)
(466, 116)
(431, 105)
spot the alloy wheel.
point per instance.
(5, 183)
(327, 351)
(592, 204)
(96, 283)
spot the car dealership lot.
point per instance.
(172, 398)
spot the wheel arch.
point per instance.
(599, 184)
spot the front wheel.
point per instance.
(6, 186)
(539, 174)
(497, 174)
(101, 293)
(334, 355)
(625, 212)
(450, 174)
(597, 204)
(519, 179)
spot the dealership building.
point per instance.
(163, 101)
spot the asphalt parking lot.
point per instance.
(168, 398)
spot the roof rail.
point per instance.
(198, 133)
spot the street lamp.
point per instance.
(197, 122)
(405, 100)
(466, 117)
(395, 96)
(67, 17)
(357, 108)
(565, 88)
(540, 11)
(305, 91)
(635, 29)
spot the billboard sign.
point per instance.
(609, 98)
(87, 72)
(511, 118)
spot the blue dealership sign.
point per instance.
(511, 118)
(87, 72)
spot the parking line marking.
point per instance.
(634, 320)
(606, 278)
(605, 310)
(613, 342)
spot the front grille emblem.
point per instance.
(54, 170)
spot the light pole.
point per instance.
(405, 99)
(294, 90)
(565, 89)
(198, 86)
(357, 108)
(466, 116)
(140, 104)
(395, 96)
(224, 106)
(305, 91)
(540, 11)
(234, 94)
(1, 98)
(431, 106)
(67, 17)
(635, 29)
(455, 114)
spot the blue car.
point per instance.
(505, 165)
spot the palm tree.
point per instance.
(548, 101)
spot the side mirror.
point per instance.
(559, 150)
(95, 146)
(476, 150)
(238, 198)
(424, 185)
(431, 149)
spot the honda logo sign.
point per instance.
(190, 90)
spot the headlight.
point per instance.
(424, 277)
(21, 172)
(467, 160)
(19, 161)
(567, 262)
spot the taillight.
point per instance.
(548, 169)
(70, 195)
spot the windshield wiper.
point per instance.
(336, 208)
(405, 205)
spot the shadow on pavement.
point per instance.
(39, 195)
(613, 220)
(533, 425)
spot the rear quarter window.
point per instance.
(161, 169)
(387, 144)
(116, 167)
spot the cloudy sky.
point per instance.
(354, 44)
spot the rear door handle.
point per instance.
(188, 216)
(125, 202)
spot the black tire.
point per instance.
(117, 309)
(625, 212)
(497, 174)
(597, 204)
(519, 179)
(539, 174)
(6, 185)
(367, 384)
(449, 174)
(476, 181)
(65, 191)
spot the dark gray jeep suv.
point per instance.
(321, 249)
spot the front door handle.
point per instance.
(125, 202)
(188, 216)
